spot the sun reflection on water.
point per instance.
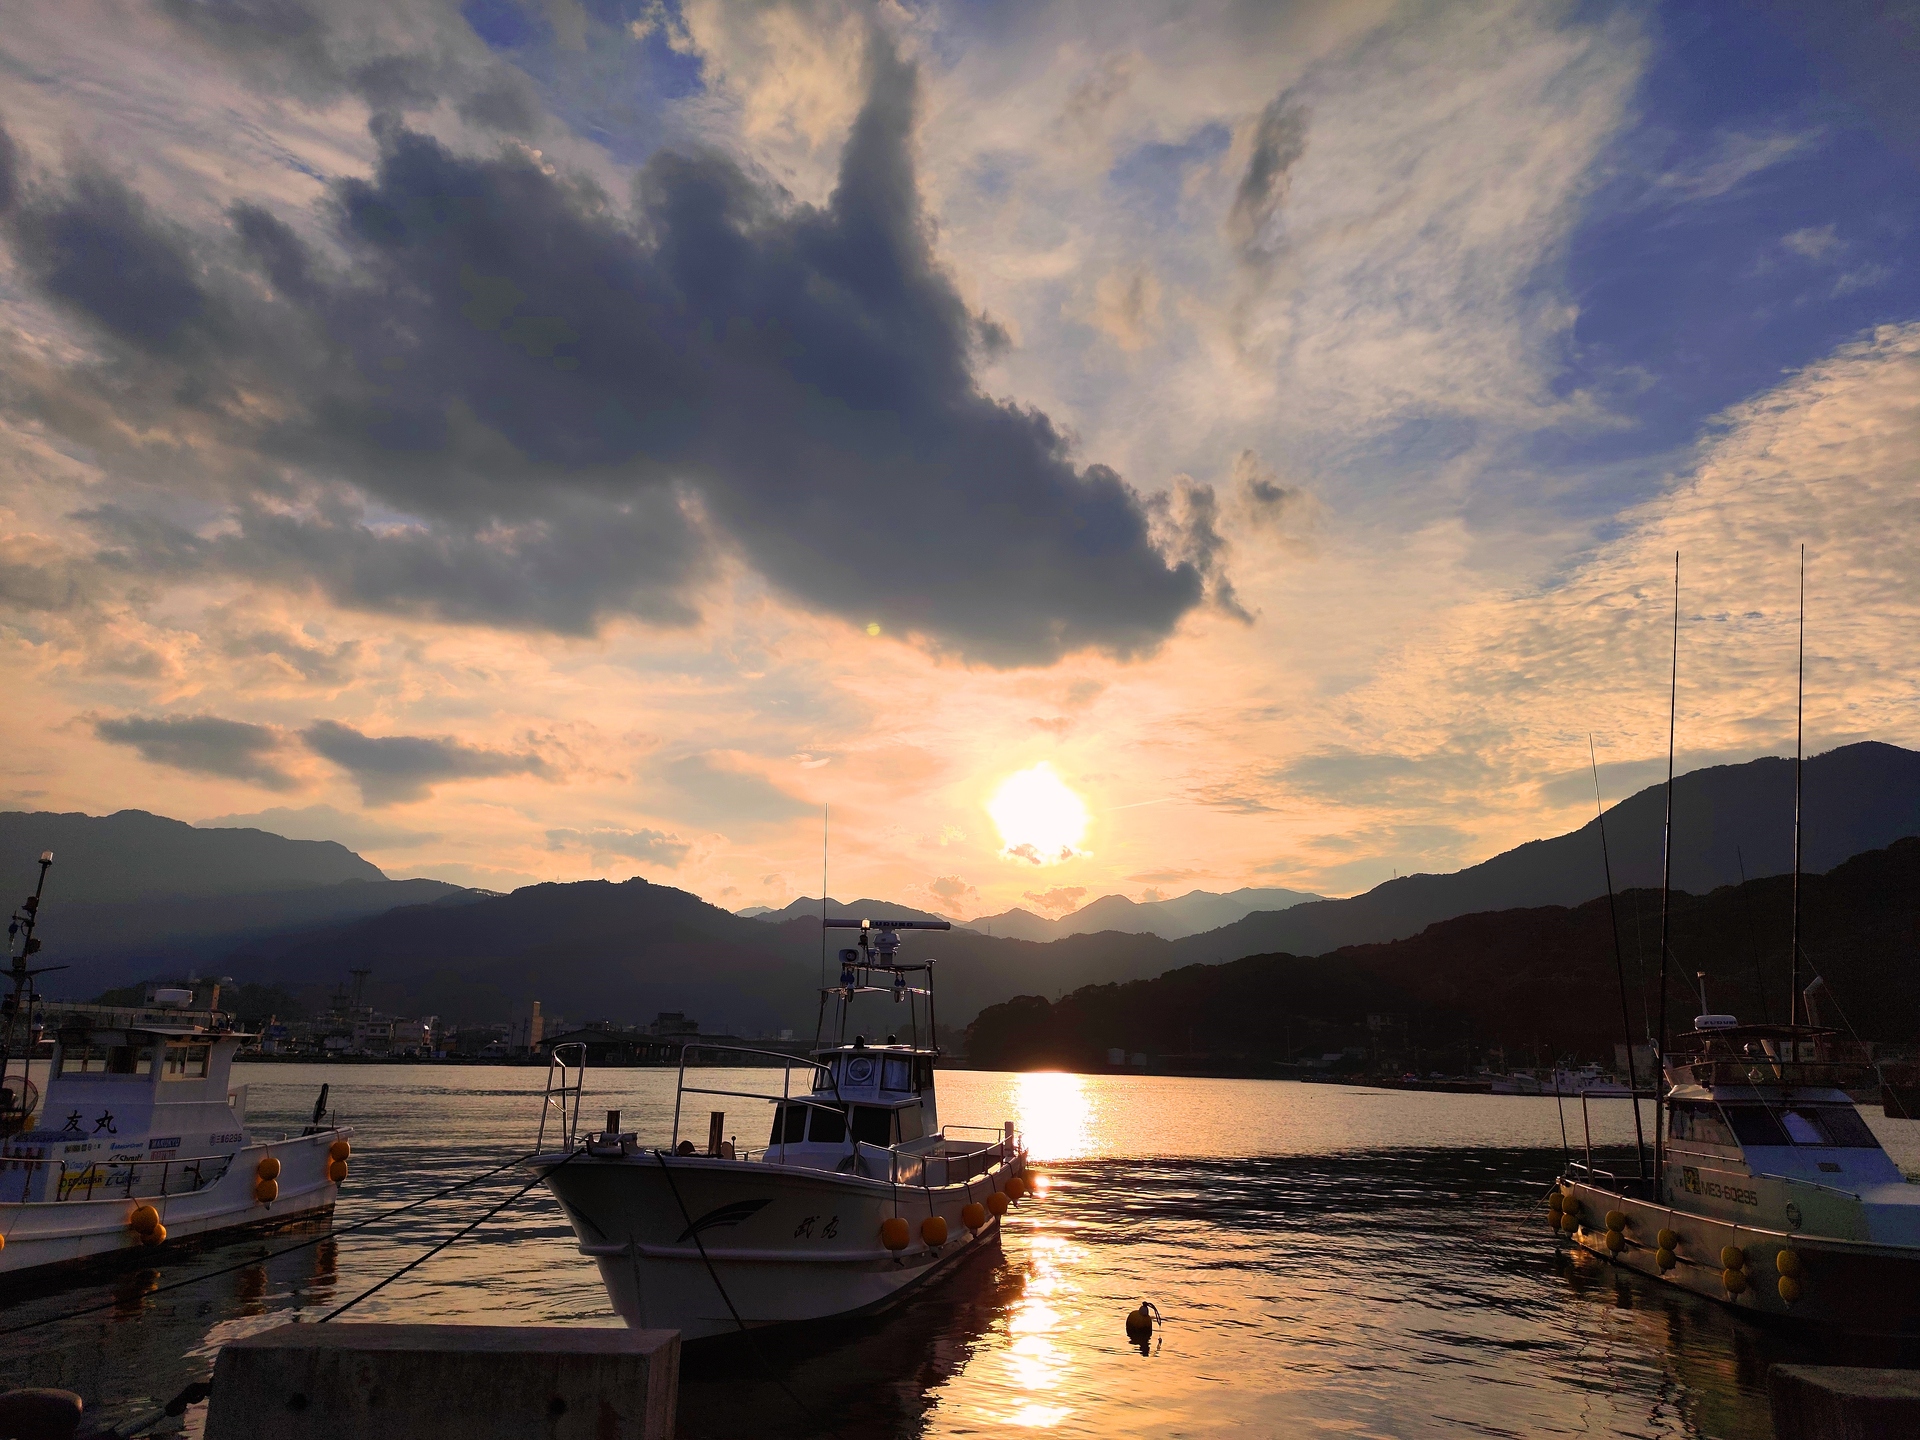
(1055, 1115)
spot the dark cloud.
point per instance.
(202, 744)
(654, 846)
(392, 769)
(575, 409)
(9, 171)
(1279, 140)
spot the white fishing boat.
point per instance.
(141, 1137)
(142, 1141)
(1769, 1190)
(860, 1195)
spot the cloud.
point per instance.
(653, 846)
(1061, 897)
(1126, 306)
(1812, 241)
(722, 788)
(1735, 156)
(1279, 140)
(496, 397)
(323, 822)
(394, 769)
(949, 891)
(202, 745)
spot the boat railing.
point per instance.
(109, 1179)
(566, 1081)
(785, 1097)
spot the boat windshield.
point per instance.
(1828, 1126)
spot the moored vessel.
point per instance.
(860, 1195)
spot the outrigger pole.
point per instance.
(22, 926)
(1619, 966)
(1799, 733)
(1666, 886)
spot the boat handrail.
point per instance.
(572, 1082)
(785, 1097)
(1797, 1180)
(118, 1175)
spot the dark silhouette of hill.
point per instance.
(1530, 980)
(1857, 798)
(1183, 915)
(134, 896)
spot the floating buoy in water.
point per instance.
(1140, 1323)
(1787, 1262)
(973, 1215)
(143, 1219)
(336, 1171)
(268, 1169)
(1789, 1289)
(266, 1191)
(1668, 1240)
(933, 1230)
(339, 1150)
(894, 1233)
(997, 1202)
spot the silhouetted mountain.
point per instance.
(1857, 798)
(1183, 915)
(1538, 981)
(133, 895)
(805, 908)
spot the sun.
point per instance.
(1040, 819)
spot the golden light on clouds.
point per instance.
(1040, 819)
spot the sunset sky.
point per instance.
(540, 441)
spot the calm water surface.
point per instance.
(1330, 1260)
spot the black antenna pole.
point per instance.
(1666, 885)
(1799, 732)
(1619, 964)
(22, 926)
(823, 897)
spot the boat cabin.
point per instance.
(880, 1095)
(1772, 1098)
(125, 1093)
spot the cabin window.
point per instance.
(822, 1080)
(923, 1074)
(789, 1125)
(913, 1122)
(1756, 1125)
(1834, 1125)
(829, 1127)
(129, 1060)
(1701, 1124)
(872, 1125)
(82, 1060)
(186, 1062)
(898, 1075)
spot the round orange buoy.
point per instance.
(1556, 1202)
(3, 1242)
(336, 1171)
(1616, 1242)
(1569, 1221)
(266, 1191)
(1733, 1258)
(894, 1233)
(1616, 1219)
(1789, 1289)
(973, 1215)
(997, 1202)
(268, 1169)
(933, 1230)
(143, 1219)
(339, 1150)
(1015, 1187)
(1734, 1280)
(155, 1236)
(1663, 1257)
(1787, 1262)
(1668, 1240)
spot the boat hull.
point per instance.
(690, 1243)
(1858, 1287)
(41, 1234)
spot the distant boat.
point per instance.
(859, 1196)
(1563, 1080)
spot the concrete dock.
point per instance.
(446, 1382)
(1843, 1402)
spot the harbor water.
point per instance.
(1329, 1259)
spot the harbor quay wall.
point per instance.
(446, 1382)
(1843, 1402)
